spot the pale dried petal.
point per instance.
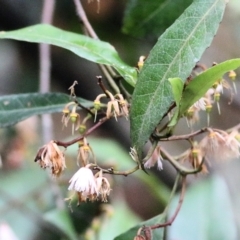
(220, 146)
(103, 188)
(50, 156)
(84, 183)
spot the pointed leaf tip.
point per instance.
(174, 55)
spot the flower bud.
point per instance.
(82, 128)
(208, 108)
(73, 117)
(217, 96)
(232, 75)
(97, 105)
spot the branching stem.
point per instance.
(171, 220)
(184, 137)
(183, 170)
(69, 143)
(112, 171)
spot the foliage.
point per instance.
(171, 82)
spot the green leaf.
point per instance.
(207, 212)
(174, 55)
(144, 17)
(157, 234)
(20, 188)
(200, 84)
(17, 107)
(61, 220)
(93, 50)
(177, 89)
(118, 222)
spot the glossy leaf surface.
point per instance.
(200, 84)
(93, 50)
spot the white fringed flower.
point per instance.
(84, 183)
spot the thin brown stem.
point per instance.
(86, 109)
(184, 137)
(112, 171)
(107, 70)
(101, 85)
(171, 220)
(82, 15)
(69, 143)
(113, 85)
(183, 170)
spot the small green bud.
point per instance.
(208, 108)
(73, 117)
(97, 105)
(82, 128)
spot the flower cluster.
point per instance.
(116, 106)
(70, 114)
(206, 102)
(88, 186)
(217, 145)
(220, 145)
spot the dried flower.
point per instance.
(232, 75)
(192, 115)
(219, 145)
(155, 158)
(200, 104)
(71, 115)
(85, 152)
(103, 186)
(72, 89)
(112, 107)
(133, 154)
(66, 113)
(50, 156)
(83, 182)
(65, 116)
(195, 157)
(75, 119)
(123, 105)
(141, 62)
(97, 105)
